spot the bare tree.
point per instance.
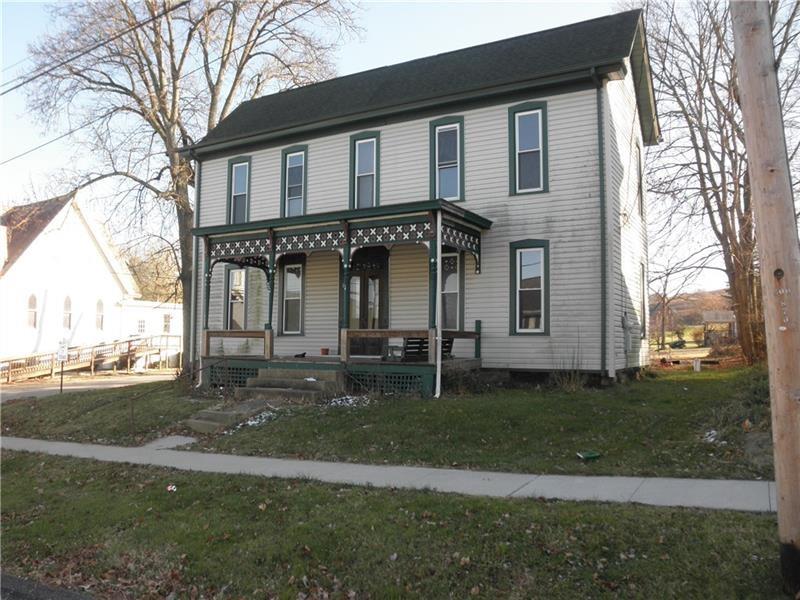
(149, 90)
(699, 173)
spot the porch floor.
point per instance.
(451, 364)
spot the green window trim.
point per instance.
(284, 154)
(513, 111)
(354, 139)
(289, 261)
(434, 126)
(238, 160)
(514, 247)
(226, 305)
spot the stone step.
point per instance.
(203, 426)
(330, 387)
(295, 374)
(277, 396)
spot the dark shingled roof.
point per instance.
(23, 223)
(570, 48)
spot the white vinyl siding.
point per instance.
(568, 215)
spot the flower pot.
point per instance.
(324, 351)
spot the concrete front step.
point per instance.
(301, 374)
(279, 395)
(330, 387)
(203, 426)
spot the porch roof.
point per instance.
(389, 210)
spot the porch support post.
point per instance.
(207, 279)
(438, 349)
(270, 281)
(433, 258)
(344, 323)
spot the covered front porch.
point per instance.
(370, 290)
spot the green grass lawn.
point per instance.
(116, 531)
(128, 415)
(650, 427)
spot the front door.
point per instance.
(369, 298)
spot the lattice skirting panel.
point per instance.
(387, 380)
(222, 375)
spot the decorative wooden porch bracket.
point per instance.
(463, 238)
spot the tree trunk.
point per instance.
(749, 326)
(185, 216)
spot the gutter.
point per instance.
(581, 74)
(605, 306)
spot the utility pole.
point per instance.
(779, 259)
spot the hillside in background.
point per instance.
(688, 308)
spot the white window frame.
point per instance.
(141, 326)
(457, 293)
(66, 317)
(518, 289)
(234, 166)
(33, 313)
(299, 329)
(228, 311)
(302, 196)
(644, 299)
(439, 166)
(166, 325)
(374, 173)
(540, 149)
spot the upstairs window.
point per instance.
(141, 326)
(167, 323)
(239, 187)
(294, 181)
(529, 287)
(67, 318)
(447, 158)
(235, 308)
(364, 167)
(99, 316)
(528, 146)
(33, 319)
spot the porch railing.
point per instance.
(265, 334)
(345, 335)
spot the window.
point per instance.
(529, 287)
(167, 323)
(528, 148)
(447, 158)
(292, 298)
(235, 309)
(99, 320)
(239, 190)
(32, 314)
(141, 326)
(364, 165)
(639, 180)
(67, 319)
(294, 181)
(451, 291)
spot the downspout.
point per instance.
(438, 391)
(195, 252)
(604, 278)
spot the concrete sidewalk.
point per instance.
(756, 496)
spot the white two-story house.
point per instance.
(484, 204)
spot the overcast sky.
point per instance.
(392, 32)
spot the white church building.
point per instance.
(62, 279)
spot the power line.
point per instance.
(76, 129)
(86, 51)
